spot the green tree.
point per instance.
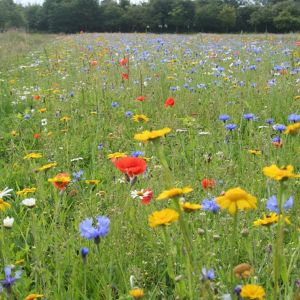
(206, 18)
(182, 15)
(227, 16)
(112, 16)
(262, 19)
(11, 15)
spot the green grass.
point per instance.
(47, 237)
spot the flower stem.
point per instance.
(278, 251)
(233, 247)
(84, 279)
(188, 247)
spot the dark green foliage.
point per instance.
(160, 16)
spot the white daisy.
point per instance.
(5, 192)
(8, 222)
(29, 202)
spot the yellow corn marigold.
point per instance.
(190, 207)
(140, 118)
(32, 155)
(65, 119)
(26, 191)
(92, 181)
(255, 152)
(252, 291)
(151, 135)
(163, 217)
(4, 205)
(293, 128)
(173, 193)
(34, 296)
(116, 155)
(269, 219)
(235, 199)
(137, 293)
(279, 174)
(46, 167)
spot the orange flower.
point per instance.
(131, 166)
(60, 181)
(34, 296)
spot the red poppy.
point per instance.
(60, 181)
(147, 196)
(208, 183)
(297, 43)
(131, 166)
(124, 61)
(36, 136)
(140, 98)
(169, 102)
(94, 63)
(125, 76)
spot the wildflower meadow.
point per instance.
(149, 166)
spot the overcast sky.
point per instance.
(41, 1)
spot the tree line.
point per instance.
(180, 16)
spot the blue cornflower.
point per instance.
(114, 104)
(129, 114)
(26, 116)
(210, 205)
(294, 118)
(254, 85)
(272, 204)
(201, 86)
(77, 175)
(207, 274)
(252, 67)
(9, 280)
(174, 88)
(249, 116)
(137, 153)
(279, 127)
(100, 146)
(276, 139)
(237, 290)
(270, 121)
(89, 232)
(231, 127)
(224, 118)
(84, 252)
(271, 82)
(72, 94)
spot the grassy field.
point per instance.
(71, 108)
